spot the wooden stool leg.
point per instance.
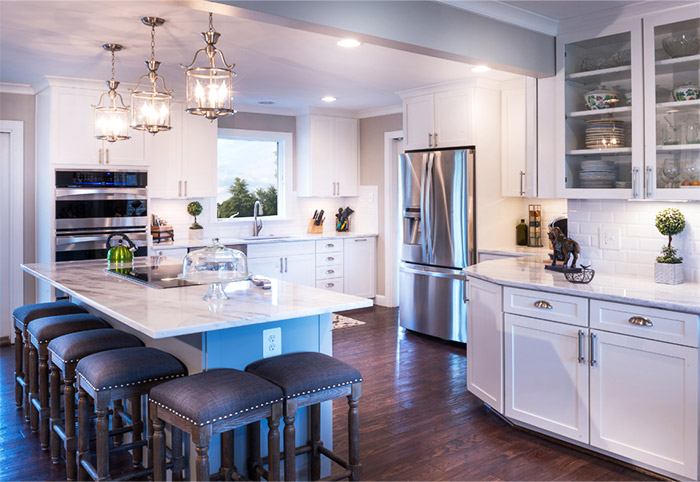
(290, 411)
(69, 408)
(55, 403)
(117, 422)
(273, 443)
(149, 441)
(354, 433)
(176, 450)
(137, 434)
(44, 398)
(227, 455)
(102, 429)
(33, 387)
(315, 436)
(19, 367)
(254, 459)
(201, 438)
(27, 375)
(83, 432)
(158, 449)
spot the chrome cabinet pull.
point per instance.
(360, 240)
(330, 285)
(649, 171)
(635, 182)
(542, 304)
(465, 283)
(179, 188)
(99, 156)
(594, 337)
(281, 265)
(330, 245)
(581, 358)
(640, 321)
(107, 156)
(185, 188)
(430, 139)
(522, 189)
(330, 271)
(286, 265)
(330, 258)
(435, 139)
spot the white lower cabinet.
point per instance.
(546, 375)
(360, 260)
(291, 262)
(644, 401)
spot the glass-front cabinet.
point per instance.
(627, 95)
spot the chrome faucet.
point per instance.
(257, 223)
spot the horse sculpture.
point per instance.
(564, 248)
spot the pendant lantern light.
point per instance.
(150, 107)
(209, 88)
(112, 118)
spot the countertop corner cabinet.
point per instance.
(327, 156)
(645, 145)
(618, 378)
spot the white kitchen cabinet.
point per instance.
(183, 159)
(439, 119)
(360, 261)
(287, 261)
(519, 137)
(546, 375)
(644, 401)
(327, 156)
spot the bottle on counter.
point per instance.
(521, 233)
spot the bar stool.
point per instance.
(64, 354)
(209, 403)
(22, 316)
(126, 373)
(41, 331)
(307, 379)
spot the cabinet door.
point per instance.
(345, 156)
(131, 152)
(165, 159)
(644, 401)
(75, 128)
(519, 138)
(546, 375)
(199, 163)
(360, 267)
(272, 267)
(419, 122)
(300, 269)
(453, 118)
(322, 152)
(485, 343)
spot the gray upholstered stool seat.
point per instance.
(307, 379)
(22, 316)
(40, 332)
(65, 352)
(124, 373)
(212, 402)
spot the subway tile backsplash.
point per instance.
(640, 240)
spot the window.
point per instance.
(252, 166)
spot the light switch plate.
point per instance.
(609, 237)
(272, 342)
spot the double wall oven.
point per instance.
(91, 205)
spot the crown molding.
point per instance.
(330, 111)
(380, 111)
(441, 87)
(10, 88)
(507, 13)
(264, 109)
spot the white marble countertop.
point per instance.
(200, 243)
(528, 272)
(163, 313)
(514, 250)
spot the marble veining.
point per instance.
(528, 272)
(163, 313)
(200, 243)
(514, 250)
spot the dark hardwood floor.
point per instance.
(417, 420)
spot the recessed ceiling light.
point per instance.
(265, 102)
(328, 98)
(349, 43)
(481, 68)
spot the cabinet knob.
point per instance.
(542, 304)
(640, 321)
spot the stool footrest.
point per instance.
(335, 458)
(126, 447)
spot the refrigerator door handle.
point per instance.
(428, 212)
(423, 214)
(436, 274)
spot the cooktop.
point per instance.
(159, 277)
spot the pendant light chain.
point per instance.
(153, 42)
(211, 21)
(112, 64)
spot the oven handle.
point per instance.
(61, 240)
(90, 194)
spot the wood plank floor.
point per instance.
(417, 420)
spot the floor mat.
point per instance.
(340, 321)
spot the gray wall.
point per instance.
(20, 107)
(259, 122)
(372, 131)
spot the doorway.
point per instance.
(393, 147)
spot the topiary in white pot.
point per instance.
(196, 230)
(669, 266)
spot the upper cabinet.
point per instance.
(623, 120)
(519, 137)
(327, 156)
(439, 119)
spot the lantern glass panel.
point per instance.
(150, 111)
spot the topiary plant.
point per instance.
(670, 222)
(195, 209)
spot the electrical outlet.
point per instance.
(272, 342)
(609, 238)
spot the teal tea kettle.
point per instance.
(121, 252)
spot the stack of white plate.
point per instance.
(597, 174)
(605, 134)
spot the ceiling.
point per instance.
(290, 67)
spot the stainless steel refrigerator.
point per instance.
(439, 240)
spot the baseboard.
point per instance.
(380, 300)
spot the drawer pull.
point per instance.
(330, 246)
(581, 358)
(594, 338)
(330, 271)
(640, 321)
(330, 285)
(330, 258)
(545, 305)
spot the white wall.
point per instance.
(641, 241)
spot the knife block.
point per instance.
(313, 229)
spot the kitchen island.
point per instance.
(206, 335)
(611, 366)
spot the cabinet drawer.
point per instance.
(329, 259)
(326, 272)
(643, 322)
(329, 246)
(335, 284)
(285, 248)
(546, 306)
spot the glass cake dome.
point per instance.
(215, 264)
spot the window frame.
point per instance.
(285, 169)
